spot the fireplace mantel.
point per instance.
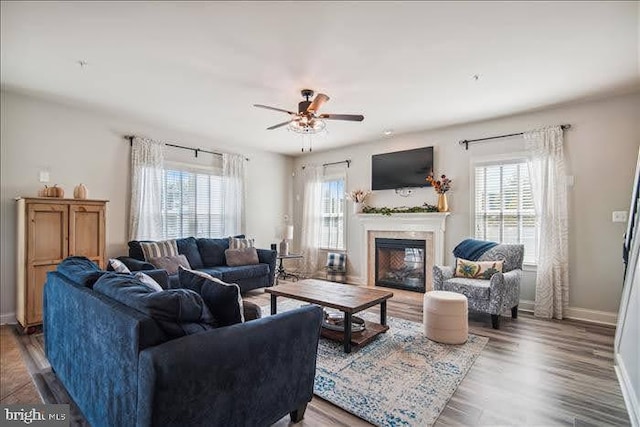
(430, 226)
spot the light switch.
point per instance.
(44, 176)
(619, 216)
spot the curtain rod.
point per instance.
(466, 142)
(348, 162)
(195, 150)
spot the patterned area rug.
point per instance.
(400, 379)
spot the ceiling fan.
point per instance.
(307, 120)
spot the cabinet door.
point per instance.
(87, 232)
(47, 246)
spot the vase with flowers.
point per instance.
(358, 197)
(441, 186)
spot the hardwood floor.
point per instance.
(532, 372)
(16, 385)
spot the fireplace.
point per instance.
(400, 263)
(426, 227)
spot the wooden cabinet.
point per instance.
(48, 231)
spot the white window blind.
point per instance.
(191, 203)
(332, 214)
(504, 210)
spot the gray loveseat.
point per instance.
(207, 255)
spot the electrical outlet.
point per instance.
(619, 216)
(44, 176)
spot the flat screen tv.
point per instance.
(401, 169)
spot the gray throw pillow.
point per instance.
(246, 256)
(170, 263)
(119, 266)
(148, 281)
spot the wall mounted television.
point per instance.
(401, 169)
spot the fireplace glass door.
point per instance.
(400, 264)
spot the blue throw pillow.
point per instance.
(189, 248)
(223, 299)
(178, 312)
(80, 270)
(212, 251)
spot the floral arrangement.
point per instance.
(358, 196)
(442, 185)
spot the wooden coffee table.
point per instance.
(349, 299)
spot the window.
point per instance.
(191, 202)
(504, 210)
(332, 213)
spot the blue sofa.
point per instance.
(207, 255)
(123, 367)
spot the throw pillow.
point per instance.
(158, 249)
(178, 312)
(246, 256)
(148, 282)
(238, 243)
(118, 266)
(212, 251)
(477, 269)
(170, 263)
(223, 299)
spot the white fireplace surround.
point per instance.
(429, 227)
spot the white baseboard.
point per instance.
(577, 313)
(595, 316)
(8, 319)
(629, 394)
(526, 305)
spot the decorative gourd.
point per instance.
(80, 192)
(43, 191)
(55, 191)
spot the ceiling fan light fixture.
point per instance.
(307, 127)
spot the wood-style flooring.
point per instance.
(532, 372)
(16, 385)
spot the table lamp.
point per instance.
(284, 245)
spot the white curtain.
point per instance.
(233, 193)
(311, 218)
(145, 217)
(548, 183)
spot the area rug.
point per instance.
(400, 379)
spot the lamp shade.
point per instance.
(289, 232)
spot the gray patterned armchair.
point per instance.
(492, 296)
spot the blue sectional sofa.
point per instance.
(207, 255)
(112, 343)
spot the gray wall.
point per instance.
(76, 144)
(601, 149)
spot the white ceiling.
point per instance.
(405, 65)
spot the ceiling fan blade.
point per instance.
(279, 125)
(317, 102)
(348, 117)
(274, 109)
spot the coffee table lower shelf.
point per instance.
(371, 331)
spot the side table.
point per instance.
(282, 273)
